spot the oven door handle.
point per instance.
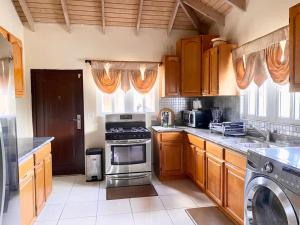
(129, 143)
(129, 178)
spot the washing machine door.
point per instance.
(267, 204)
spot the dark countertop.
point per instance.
(28, 146)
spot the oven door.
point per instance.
(266, 203)
(128, 156)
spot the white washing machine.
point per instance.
(272, 190)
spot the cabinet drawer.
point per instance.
(235, 159)
(41, 154)
(194, 140)
(171, 137)
(215, 150)
(26, 167)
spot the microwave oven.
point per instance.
(197, 119)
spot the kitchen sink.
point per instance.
(256, 145)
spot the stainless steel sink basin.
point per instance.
(255, 145)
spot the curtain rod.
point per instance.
(89, 61)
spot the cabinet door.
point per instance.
(171, 159)
(4, 33)
(205, 73)
(18, 65)
(200, 167)
(190, 160)
(234, 192)
(191, 67)
(40, 186)
(214, 178)
(172, 76)
(294, 42)
(48, 175)
(214, 71)
(27, 198)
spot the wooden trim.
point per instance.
(206, 11)
(173, 16)
(201, 27)
(66, 14)
(103, 15)
(27, 14)
(241, 4)
(138, 22)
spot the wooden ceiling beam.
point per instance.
(66, 14)
(103, 15)
(27, 14)
(138, 21)
(206, 11)
(173, 16)
(241, 4)
(201, 27)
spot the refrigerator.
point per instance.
(9, 174)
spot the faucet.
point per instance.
(265, 134)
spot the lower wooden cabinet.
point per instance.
(200, 167)
(189, 152)
(40, 186)
(27, 192)
(48, 175)
(214, 178)
(234, 192)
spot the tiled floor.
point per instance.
(75, 202)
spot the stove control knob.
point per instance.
(268, 167)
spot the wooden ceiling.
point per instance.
(164, 14)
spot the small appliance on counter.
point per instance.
(197, 119)
(217, 115)
(229, 128)
(166, 116)
(197, 105)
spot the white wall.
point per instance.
(261, 17)
(51, 47)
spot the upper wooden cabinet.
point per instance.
(4, 33)
(170, 85)
(190, 51)
(294, 43)
(218, 72)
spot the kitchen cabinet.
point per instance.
(294, 45)
(27, 191)
(40, 186)
(218, 72)
(4, 33)
(200, 167)
(235, 170)
(48, 175)
(17, 49)
(168, 155)
(190, 51)
(189, 151)
(170, 82)
(215, 172)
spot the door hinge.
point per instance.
(79, 76)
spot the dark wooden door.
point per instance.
(57, 99)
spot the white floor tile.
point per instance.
(51, 213)
(114, 207)
(79, 209)
(152, 218)
(177, 202)
(46, 223)
(78, 221)
(84, 194)
(180, 217)
(146, 204)
(121, 219)
(202, 200)
(58, 197)
(102, 194)
(163, 189)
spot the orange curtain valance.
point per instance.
(278, 65)
(143, 85)
(109, 76)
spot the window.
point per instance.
(297, 106)
(284, 101)
(252, 99)
(262, 100)
(132, 101)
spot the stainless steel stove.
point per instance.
(127, 150)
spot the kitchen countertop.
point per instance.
(227, 142)
(28, 146)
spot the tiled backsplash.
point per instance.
(231, 104)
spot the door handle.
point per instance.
(78, 121)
